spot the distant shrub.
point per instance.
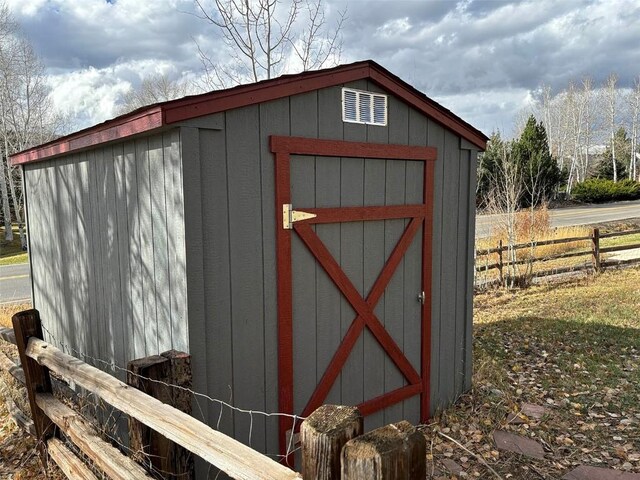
(599, 190)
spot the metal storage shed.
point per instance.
(308, 239)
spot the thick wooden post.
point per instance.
(597, 265)
(153, 375)
(27, 324)
(394, 452)
(323, 434)
(500, 264)
(180, 375)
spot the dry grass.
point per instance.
(531, 227)
(537, 227)
(573, 348)
(8, 310)
(18, 453)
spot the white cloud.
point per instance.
(491, 110)
(89, 95)
(92, 95)
(25, 7)
(479, 57)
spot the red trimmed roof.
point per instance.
(166, 113)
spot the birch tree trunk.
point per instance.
(26, 114)
(611, 95)
(6, 209)
(635, 127)
(18, 204)
(587, 92)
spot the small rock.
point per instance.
(595, 473)
(452, 466)
(515, 443)
(533, 411)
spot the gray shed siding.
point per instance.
(231, 273)
(106, 233)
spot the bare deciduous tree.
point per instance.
(610, 98)
(265, 36)
(26, 114)
(7, 30)
(504, 201)
(153, 89)
(580, 120)
(634, 107)
(575, 110)
(588, 116)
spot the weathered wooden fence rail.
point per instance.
(596, 253)
(332, 440)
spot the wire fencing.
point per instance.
(111, 416)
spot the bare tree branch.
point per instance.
(27, 116)
(265, 39)
(153, 89)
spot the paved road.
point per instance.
(563, 217)
(14, 283)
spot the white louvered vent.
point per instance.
(359, 106)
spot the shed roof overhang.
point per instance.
(155, 116)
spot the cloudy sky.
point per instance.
(483, 59)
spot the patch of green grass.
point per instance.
(22, 257)
(624, 240)
(11, 252)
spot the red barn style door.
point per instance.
(305, 222)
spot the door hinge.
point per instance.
(421, 297)
(290, 216)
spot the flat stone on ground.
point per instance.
(594, 473)
(533, 411)
(515, 443)
(452, 466)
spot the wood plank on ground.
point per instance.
(18, 416)
(7, 335)
(12, 368)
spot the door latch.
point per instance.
(290, 216)
(421, 297)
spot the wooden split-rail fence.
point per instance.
(596, 255)
(333, 445)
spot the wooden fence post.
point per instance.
(597, 265)
(26, 324)
(171, 368)
(500, 264)
(180, 375)
(323, 434)
(394, 452)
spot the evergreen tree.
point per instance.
(488, 169)
(540, 173)
(622, 143)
